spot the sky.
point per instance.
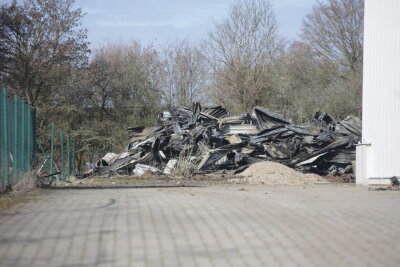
(160, 21)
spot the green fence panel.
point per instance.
(17, 135)
(18, 143)
(5, 154)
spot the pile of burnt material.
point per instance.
(212, 141)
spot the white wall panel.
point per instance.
(381, 87)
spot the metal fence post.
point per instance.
(51, 150)
(62, 154)
(22, 156)
(29, 139)
(16, 150)
(68, 157)
(73, 157)
(5, 138)
(20, 133)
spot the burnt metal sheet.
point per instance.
(267, 119)
(239, 129)
(353, 125)
(242, 119)
(305, 129)
(216, 112)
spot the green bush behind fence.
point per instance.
(17, 138)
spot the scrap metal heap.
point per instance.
(214, 142)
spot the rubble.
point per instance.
(215, 142)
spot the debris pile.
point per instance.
(207, 140)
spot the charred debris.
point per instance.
(211, 141)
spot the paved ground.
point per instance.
(219, 225)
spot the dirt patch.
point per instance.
(268, 172)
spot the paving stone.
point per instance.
(206, 226)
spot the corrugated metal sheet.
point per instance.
(240, 129)
(381, 92)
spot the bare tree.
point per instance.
(240, 52)
(334, 32)
(40, 43)
(101, 91)
(125, 78)
(184, 73)
(303, 87)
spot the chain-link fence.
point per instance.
(17, 138)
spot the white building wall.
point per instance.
(381, 91)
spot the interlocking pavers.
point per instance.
(218, 225)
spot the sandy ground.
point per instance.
(268, 172)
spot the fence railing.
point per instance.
(17, 138)
(62, 154)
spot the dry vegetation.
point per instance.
(25, 190)
(188, 161)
